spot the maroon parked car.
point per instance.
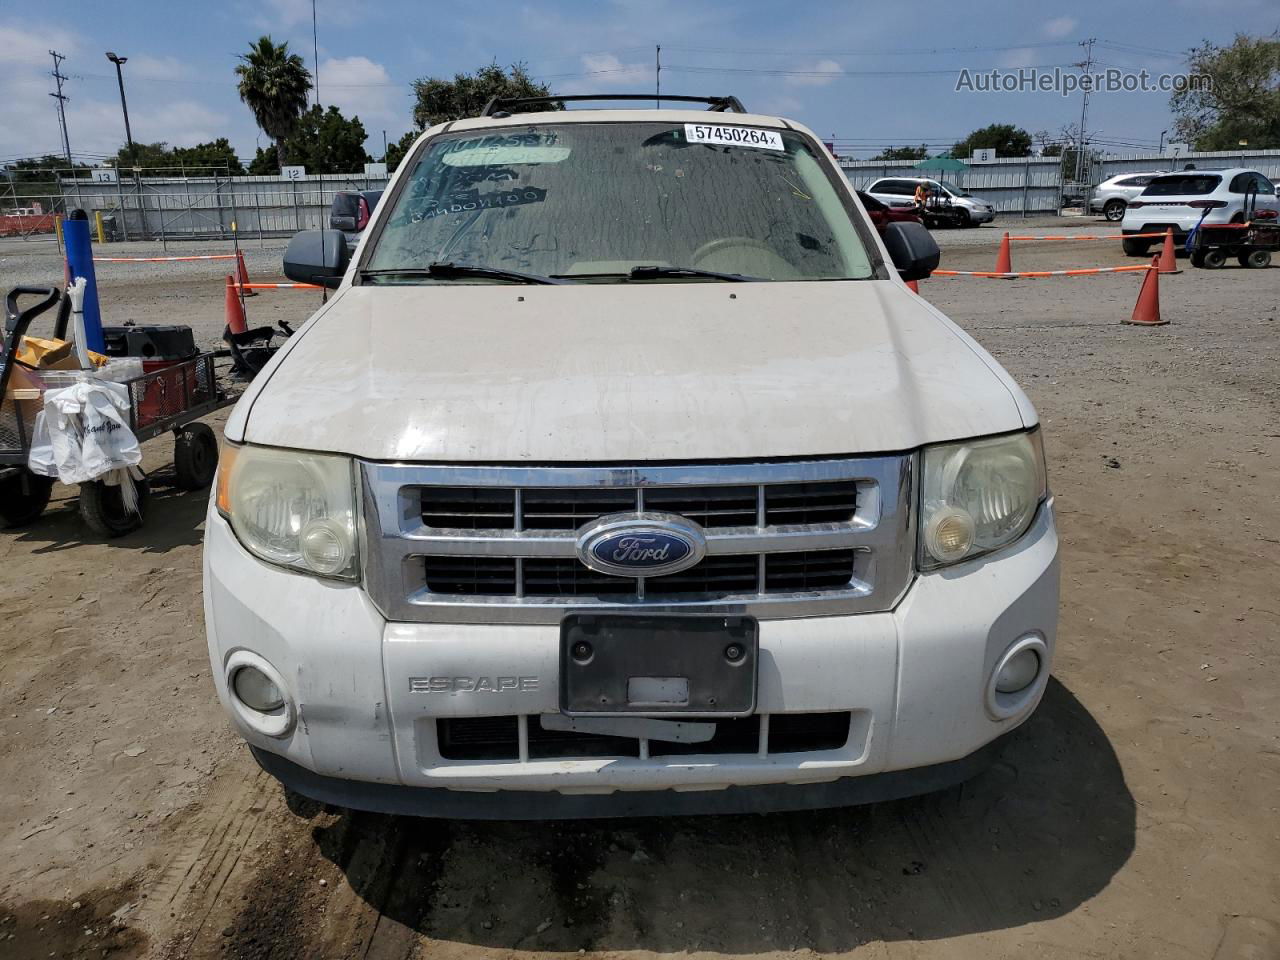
(882, 214)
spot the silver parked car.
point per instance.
(1112, 196)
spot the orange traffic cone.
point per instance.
(1146, 312)
(913, 286)
(244, 273)
(1004, 262)
(1168, 256)
(235, 309)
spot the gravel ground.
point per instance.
(1135, 815)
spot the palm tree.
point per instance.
(274, 84)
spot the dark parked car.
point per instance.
(351, 210)
(882, 214)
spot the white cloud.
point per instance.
(361, 87)
(1021, 57)
(1059, 26)
(816, 75)
(607, 72)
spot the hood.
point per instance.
(503, 373)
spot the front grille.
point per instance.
(716, 576)
(479, 508)
(482, 544)
(498, 738)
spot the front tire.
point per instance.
(1113, 210)
(1214, 259)
(1256, 259)
(23, 497)
(1135, 248)
(195, 456)
(103, 511)
(963, 220)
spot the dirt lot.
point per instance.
(1137, 814)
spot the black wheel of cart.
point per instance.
(23, 497)
(1197, 258)
(1256, 259)
(103, 511)
(1214, 259)
(195, 456)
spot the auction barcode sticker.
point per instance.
(733, 136)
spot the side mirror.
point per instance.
(317, 256)
(912, 248)
(342, 223)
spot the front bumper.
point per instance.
(982, 215)
(914, 681)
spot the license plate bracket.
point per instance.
(656, 665)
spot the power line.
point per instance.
(838, 73)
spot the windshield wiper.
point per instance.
(658, 273)
(450, 271)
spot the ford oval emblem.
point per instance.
(641, 545)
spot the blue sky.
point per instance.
(858, 71)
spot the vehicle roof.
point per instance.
(1141, 173)
(1219, 171)
(718, 117)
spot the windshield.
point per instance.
(1180, 185)
(952, 188)
(597, 200)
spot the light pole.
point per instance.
(1161, 150)
(128, 134)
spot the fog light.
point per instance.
(1019, 672)
(256, 690)
(324, 546)
(950, 534)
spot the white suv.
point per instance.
(948, 204)
(1112, 196)
(1184, 199)
(623, 474)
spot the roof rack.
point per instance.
(500, 106)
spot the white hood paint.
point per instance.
(638, 372)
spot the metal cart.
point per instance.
(171, 398)
(1251, 241)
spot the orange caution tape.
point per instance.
(211, 256)
(1083, 272)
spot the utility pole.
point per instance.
(657, 76)
(124, 106)
(62, 99)
(315, 51)
(1087, 66)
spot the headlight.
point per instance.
(292, 508)
(978, 496)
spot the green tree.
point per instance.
(903, 153)
(274, 84)
(265, 163)
(1006, 139)
(466, 94)
(200, 160)
(324, 141)
(399, 149)
(1234, 96)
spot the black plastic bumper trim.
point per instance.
(439, 802)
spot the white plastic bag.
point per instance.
(88, 430)
(40, 459)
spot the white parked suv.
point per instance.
(1112, 196)
(1190, 197)
(948, 204)
(623, 474)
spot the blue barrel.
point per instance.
(75, 234)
